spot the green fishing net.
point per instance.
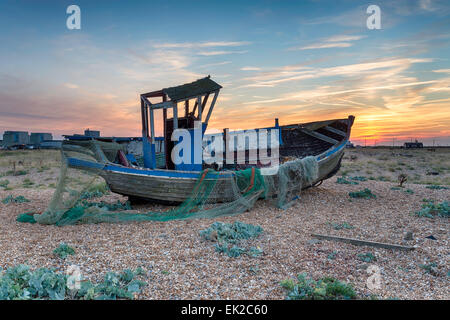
(281, 186)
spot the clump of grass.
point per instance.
(228, 236)
(365, 194)
(431, 209)
(342, 180)
(18, 199)
(43, 168)
(4, 183)
(409, 191)
(64, 250)
(16, 173)
(436, 187)
(27, 183)
(366, 257)
(326, 288)
(339, 226)
(359, 178)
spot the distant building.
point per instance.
(11, 138)
(92, 133)
(37, 138)
(415, 144)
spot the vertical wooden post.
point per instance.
(164, 98)
(199, 103)
(175, 116)
(225, 144)
(186, 108)
(152, 125)
(211, 107)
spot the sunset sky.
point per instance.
(298, 61)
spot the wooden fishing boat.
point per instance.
(172, 182)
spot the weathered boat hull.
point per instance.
(176, 186)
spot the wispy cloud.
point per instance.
(70, 85)
(338, 41)
(172, 45)
(326, 45)
(250, 69)
(222, 52)
(442, 71)
(377, 70)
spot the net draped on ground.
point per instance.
(281, 187)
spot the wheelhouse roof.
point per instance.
(193, 89)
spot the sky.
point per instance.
(298, 61)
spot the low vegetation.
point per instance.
(342, 180)
(430, 209)
(436, 187)
(365, 194)
(64, 250)
(4, 183)
(339, 226)
(418, 166)
(323, 289)
(366, 257)
(230, 237)
(11, 199)
(21, 283)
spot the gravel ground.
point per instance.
(180, 265)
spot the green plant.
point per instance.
(366, 194)
(323, 289)
(342, 180)
(64, 250)
(18, 199)
(20, 283)
(339, 226)
(429, 267)
(4, 183)
(366, 257)
(436, 187)
(27, 183)
(228, 236)
(16, 173)
(43, 168)
(431, 210)
(359, 178)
